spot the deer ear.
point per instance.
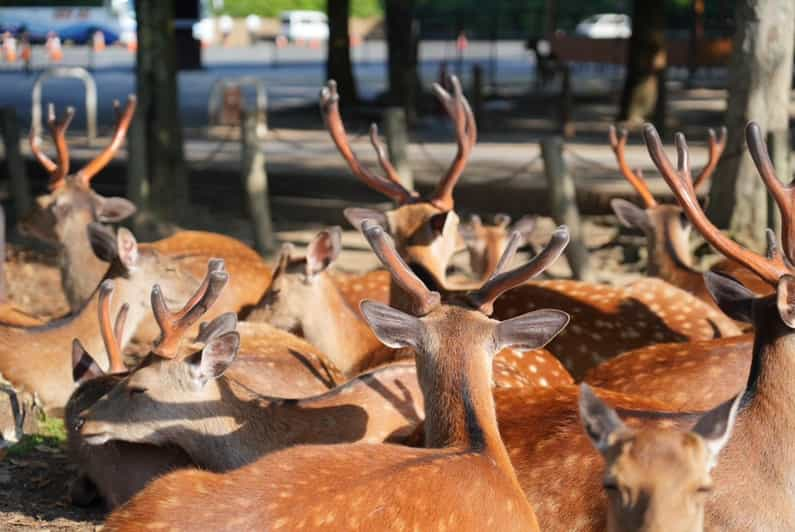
(601, 422)
(735, 300)
(785, 300)
(394, 328)
(356, 215)
(215, 358)
(715, 427)
(323, 250)
(531, 330)
(224, 323)
(630, 214)
(103, 241)
(127, 247)
(84, 367)
(525, 226)
(112, 210)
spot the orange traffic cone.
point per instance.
(98, 41)
(54, 48)
(9, 47)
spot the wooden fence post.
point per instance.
(20, 187)
(255, 183)
(563, 205)
(397, 142)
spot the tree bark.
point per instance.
(760, 77)
(402, 32)
(643, 95)
(338, 64)
(158, 110)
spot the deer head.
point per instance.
(61, 216)
(424, 229)
(486, 243)
(666, 227)
(656, 479)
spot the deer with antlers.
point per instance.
(751, 489)
(486, 243)
(465, 464)
(61, 217)
(302, 297)
(666, 227)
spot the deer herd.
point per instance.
(412, 397)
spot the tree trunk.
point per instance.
(338, 65)
(643, 95)
(760, 76)
(158, 109)
(402, 33)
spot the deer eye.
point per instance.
(705, 488)
(136, 390)
(610, 485)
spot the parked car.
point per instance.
(304, 25)
(605, 26)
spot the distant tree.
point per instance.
(643, 96)
(760, 77)
(402, 32)
(338, 64)
(156, 144)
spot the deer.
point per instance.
(61, 218)
(751, 490)
(116, 471)
(656, 480)
(10, 314)
(666, 227)
(424, 228)
(383, 486)
(485, 243)
(303, 297)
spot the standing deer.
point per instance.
(752, 487)
(657, 480)
(666, 227)
(302, 297)
(382, 487)
(62, 216)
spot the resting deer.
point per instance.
(656, 480)
(302, 297)
(486, 243)
(9, 313)
(752, 478)
(117, 470)
(62, 216)
(382, 487)
(666, 227)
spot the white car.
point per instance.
(605, 26)
(304, 25)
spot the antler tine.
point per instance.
(771, 249)
(383, 160)
(618, 142)
(123, 121)
(329, 107)
(500, 282)
(425, 300)
(716, 146)
(109, 337)
(58, 130)
(784, 195)
(173, 325)
(463, 119)
(682, 187)
(35, 147)
(514, 240)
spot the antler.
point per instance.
(500, 281)
(618, 141)
(424, 300)
(173, 325)
(111, 334)
(466, 132)
(59, 171)
(716, 146)
(389, 186)
(681, 184)
(123, 120)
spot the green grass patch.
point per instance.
(52, 433)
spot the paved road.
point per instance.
(292, 75)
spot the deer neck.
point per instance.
(669, 255)
(459, 406)
(81, 270)
(335, 328)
